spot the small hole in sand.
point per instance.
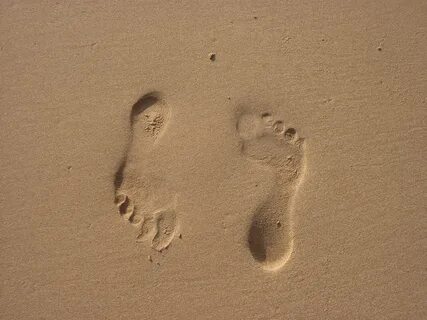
(290, 133)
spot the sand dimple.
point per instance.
(268, 142)
(140, 193)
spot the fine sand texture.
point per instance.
(213, 160)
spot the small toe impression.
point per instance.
(279, 127)
(124, 204)
(290, 135)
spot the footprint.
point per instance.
(140, 189)
(269, 143)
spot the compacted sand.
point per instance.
(213, 160)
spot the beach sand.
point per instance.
(213, 160)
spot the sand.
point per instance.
(213, 160)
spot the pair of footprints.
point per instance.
(140, 196)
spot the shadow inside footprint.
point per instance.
(143, 104)
(257, 243)
(118, 176)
